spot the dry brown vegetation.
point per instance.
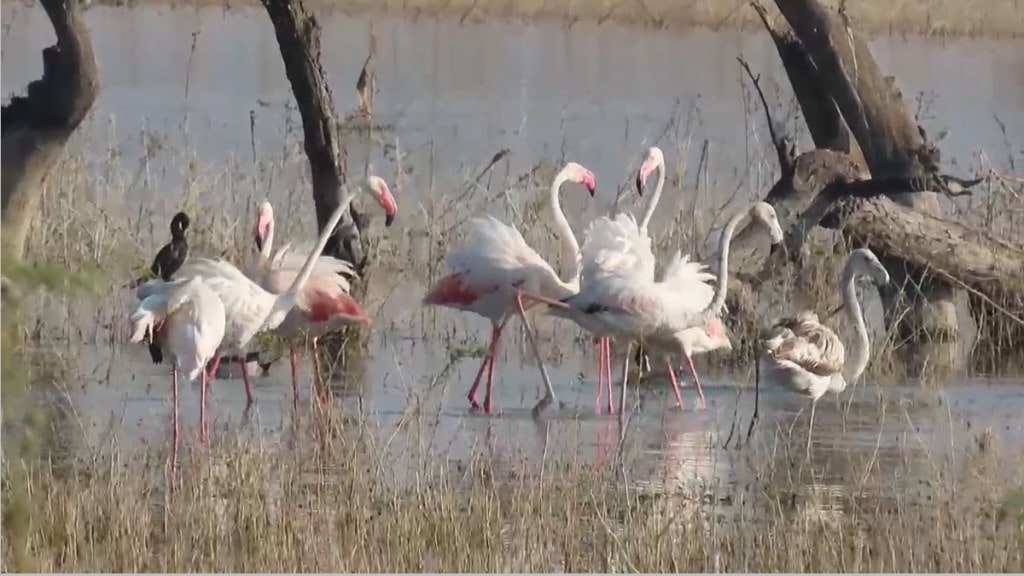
(331, 499)
(996, 18)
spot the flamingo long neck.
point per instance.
(723, 263)
(562, 224)
(861, 353)
(652, 204)
(307, 268)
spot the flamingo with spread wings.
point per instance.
(323, 305)
(496, 266)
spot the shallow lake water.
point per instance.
(453, 96)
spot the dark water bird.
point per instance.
(166, 263)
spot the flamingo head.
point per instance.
(580, 175)
(655, 159)
(264, 224)
(378, 188)
(179, 224)
(764, 214)
(863, 262)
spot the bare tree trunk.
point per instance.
(298, 37)
(37, 126)
(935, 262)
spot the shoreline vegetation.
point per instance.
(941, 18)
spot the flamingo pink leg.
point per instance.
(295, 376)
(479, 375)
(318, 379)
(245, 380)
(703, 405)
(488, 403)
(600, 372)
(204, 382)
(675, 384)
(214, 366)
(608, 372)
(174, 416)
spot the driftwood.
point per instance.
(37, 126)
(298, 37)
(879, 188)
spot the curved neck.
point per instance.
(861, 353)
(718, 302)
(655, 198)
(325, 234)
(562, 224)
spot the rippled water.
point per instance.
(454, 96)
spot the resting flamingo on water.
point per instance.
(496, 266)
(324, 303)
(187, 322)
(805, 356)
(249, 308)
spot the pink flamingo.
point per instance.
(691, 279)
(249, 308)
(324, 303)
(186, 322)
(496, 267)
(627, 301)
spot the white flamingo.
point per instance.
(249, 308)
(187, 322)
(805, 356)
(495, 266)
(624, 297)
(323, 305)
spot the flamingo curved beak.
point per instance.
(641, 176)
(260, 231)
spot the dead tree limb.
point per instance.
(785, 148)
(298, 37)
(37, 126)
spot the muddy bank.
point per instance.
(987, 18)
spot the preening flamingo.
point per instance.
(187, 322)
(250, 309)
(323, 304)
(496, 265)
(689, 279)
(806, 357)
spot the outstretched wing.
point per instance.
(615, 247)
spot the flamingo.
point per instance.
(324, 304)
(166, 262)
(805, 356)
(688, 278)
(249, 308)
(623, 295)
(187, 321)
(496, 266)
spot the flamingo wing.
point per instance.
(806, 343)
(293, 256)
(496, 255)
(616, 247)
(690, 279)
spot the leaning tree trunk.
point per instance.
(933, 261)
(36, 127)
(298, 37)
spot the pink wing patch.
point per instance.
(324, 307)
(451, 290)
(714, 328)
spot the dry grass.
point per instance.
(990, 18)
(327, 500)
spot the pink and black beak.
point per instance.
(259, 231)
(641, 176)
(590, 182)
(387, 202)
